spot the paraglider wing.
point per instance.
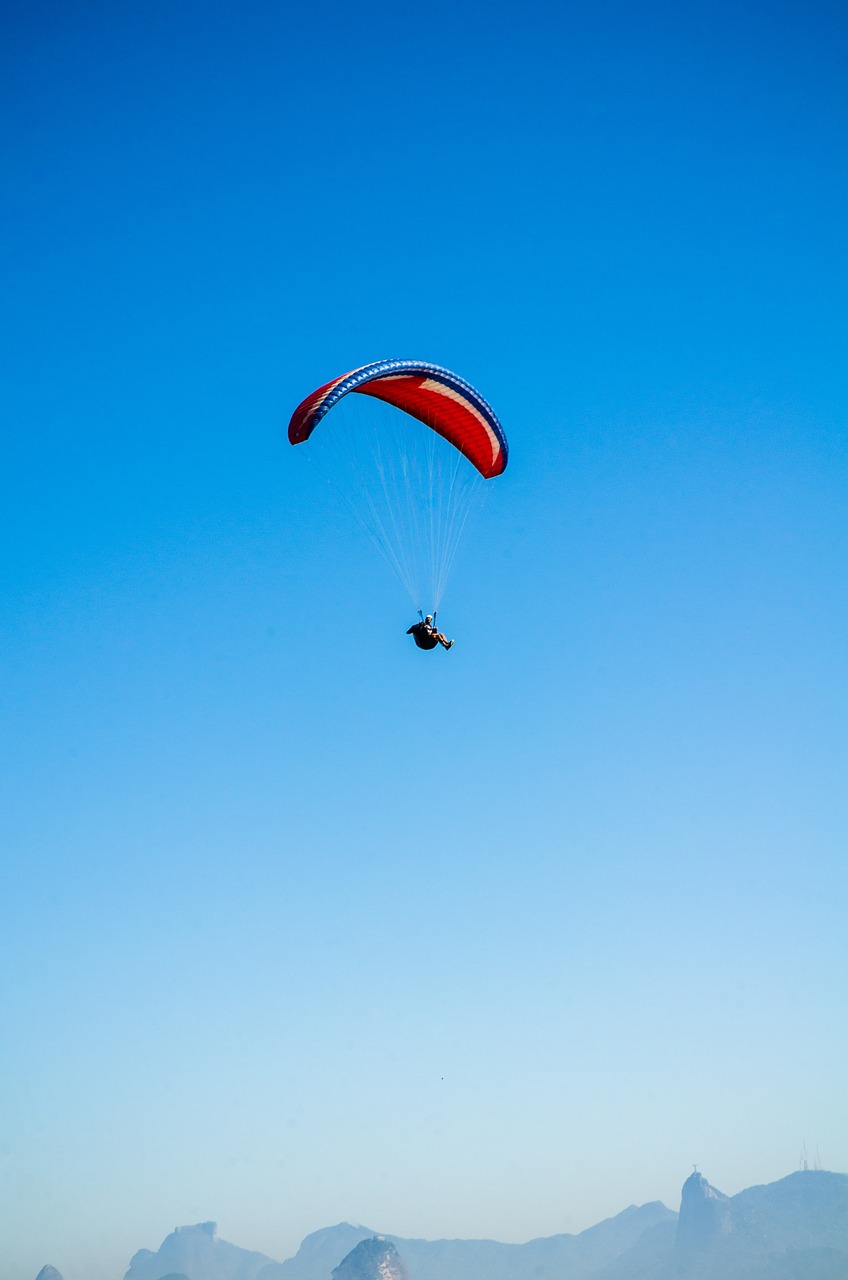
(440, 399)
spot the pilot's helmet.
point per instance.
(429, 618)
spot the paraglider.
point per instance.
(410, 489)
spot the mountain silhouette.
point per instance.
(196, 1252)
(793, 1229)
(576, 1257)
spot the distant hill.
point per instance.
(794, 1229)
(797, 1227)
(563, 1257)
(319, 1253)
(197, 1253)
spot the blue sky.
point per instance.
(300, 924)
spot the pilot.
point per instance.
(426, 635)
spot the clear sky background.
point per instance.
(298, 923)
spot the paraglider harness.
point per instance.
(424, 633)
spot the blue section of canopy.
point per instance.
(413, 368)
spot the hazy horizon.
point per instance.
(388, 1231)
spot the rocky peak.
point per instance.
(209, 1229)
(49, 1273)
(704, 1217)
(374, 1259)
(196, 1251)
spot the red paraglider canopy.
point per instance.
(443, 401)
